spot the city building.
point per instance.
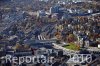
(55, 9)
(76, 0)
(41, 13)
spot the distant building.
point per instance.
(41, 13)
(66, 16)
(90, 11)
(55, 9)
(79, 0)
(98, 45)
(95, 62)
(2, 53)
(62, 2)
(44, 0)
(0, 15)
(76, 0)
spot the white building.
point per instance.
(76, 0)
(44, 0)
(41, 13)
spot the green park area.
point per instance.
(72, 46)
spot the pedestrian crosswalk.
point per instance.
(40, 37)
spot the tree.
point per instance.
(71, 38)
(58, 35)
(18, 46)
(26, 46)
(1, 37)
